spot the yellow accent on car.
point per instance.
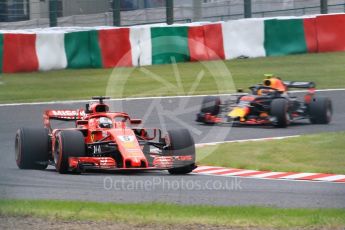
(238, 112)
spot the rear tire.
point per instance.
(320, 110)
(32, 148)
(69, 143)
(182, 144)
(279, 110)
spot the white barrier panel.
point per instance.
(50, 49)
(140, 38)
(244, 38)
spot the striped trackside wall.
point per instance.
(222, 171)
(108, 47)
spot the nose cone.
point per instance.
(238, 112)
(136, 162)
(128, 145)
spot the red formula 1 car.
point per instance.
(268, 103)
(103, 140)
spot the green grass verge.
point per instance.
(326, 69)
(322, 153)
(165, 214)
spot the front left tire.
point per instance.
(32, 148)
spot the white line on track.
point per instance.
(245, 140)
(146, 98)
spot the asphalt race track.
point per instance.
(168, 113)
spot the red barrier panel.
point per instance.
(331, 33)
(310, 34)
(196, 44)
(214, 41)
(206, 42)
(115, 47)
(19, 53)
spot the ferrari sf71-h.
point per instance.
(103, 140)
(268, 103)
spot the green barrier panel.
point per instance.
(169, 43)
(284, 37)
(82, 49)
(95, 50)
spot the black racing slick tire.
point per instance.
(211, 104)
(68, 143)
(279, 110)
(320, 110)
(32, 148)
(181, 143)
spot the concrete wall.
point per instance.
(73, 7)
(210, 9)
(38, 9)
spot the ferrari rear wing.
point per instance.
(299, 84)
(64, 115)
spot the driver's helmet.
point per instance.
(105, 122)
(275, 83)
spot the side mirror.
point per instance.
(135, 121)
